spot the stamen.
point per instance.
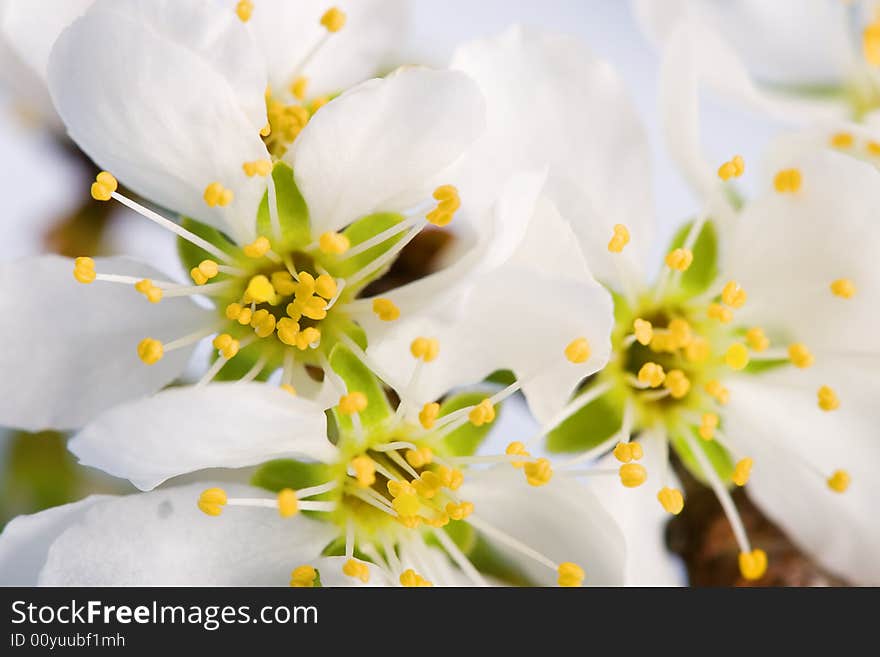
(303, 577)
(652, 375)
(753, 565)
(671, 500)
(828, 399)
(334, 243)
(150, 351)
(839, 481)
(578, 351)
(448, 203)
(218, 195)
(299, 88)
(733, 295)
(718, 312)
(212, 501)
(381, 238)
(459, 558)
(680, 259)
(385, 258)
(260, 168)
(843, 288)
(632, 475)
(411, 578)
(732, 169)
(718, 392)
(628, 451)
(757, 340)
(364, 470)
(742, 471)
(800, 356)
(357, 569)
(570, 574)
(708, 425)
(871, 43)
(538, 472)
(841, 140)
(333, 19)
(737, 356)
(619, 240)
(678, 384)
(643, 332)
(482, 413)
(84, 270)
(425, 349)
(244, 9)
(787, 181)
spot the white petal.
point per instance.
(780, 428)
(162, 539)
(169, 97)
(70, 350)
(286, 31)
(581, 123)
(383, 144)
(25, 540)
(181, 430)
(562, 520)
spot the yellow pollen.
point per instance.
(412, 579)
(459, 511)
(841, 140)
(732, 169)
(319, 102)
(839, 481)
(718, 392)
(288, 505)
(146, 287)
(652, 374)
(334, 243)
(419, 458)
(425, 349)
(307, 337)
(286, 387)
(257, 168)
(303, 577)
(578, 351)
(538, 472)
(828, 399)
(353, 402)
(306, 285)
(226, 345)
(300, 87)
(671, 500)
(680, 259)
(244, 9)
(217, 195)
(283, 283)
(260, 290)
(800, 356)
(407, 503)
(753, 565)
(448, 204)
(84, 270)
(633, 475)
(206, 270)
(105, 184)
(619, 239)
(787, 181)
(871, 43)
(698, 351)
(212, 501)
(364, 471)
(482, 413)
(677, 384)
(429, 414)
(357, 569)
(333, 19)
(263, 323)
(843, 288)
(708, 424)
(258, 248)
(516, 448)
(266, 130)
(757, 340)
(150, 351)
(737, 356)
(643, 331)
(718, 312)
(873, 148)
(325, 286)
(386, 310)
(626, 452)
(570, 574)
(742, 471)
(680, 334)
(733, 295)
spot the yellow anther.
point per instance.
(288, 505)
(334, 243)
(516, 448)
(652, 374)
(312, 307)
(146, 287)
(357, 569)
(732, 169)
(289, 389)
(677, 384)
(300, 87)
(698, 351)
(733, 295)
(718, 392)
(305, 287)
(258, 248)
(679, 259)
(319, 102)
(626, 452)
(266, 130)
(419, 458)
(448, 204)
(671, 500)
(386, 310)
(226, 345)
(325, 286)
(429, 414)
(633, 475)
(828, 399)
(244, 9)
(260, 290)
(283, 283)
(410, 522)
(216, 194)
(843, 288)
(570, 574)
(398, 488)
(104, 185)
(411, 579)
(307, 337)
(578, 351)
(680, 333)
(757, 340)
(263, 322)
(800, 356)
(839, 481)
(753, 565)
(643, 331)
(841, 140)
(482, 413)
(459, 511)
(333, 19)
(150, 351)
(538, 472)
(662, 342)
(353, 402)
(871, 43)
(206, 270)
(742, 471)
(407, 503)
(737, 356)
(708, 424)
(84, 270)
(364, 471)
(288, 331)
(257, 168)
(787, 181)
(425, 349)
(428, 484)
(303, 577)
(718, 312)
(873, 148)
(452, 478)
(198, 277)
(212, 501)
(619, 239)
